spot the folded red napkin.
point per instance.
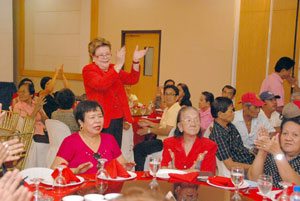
(67, 174)
(221, 181)
(189, 177)
(114, 169)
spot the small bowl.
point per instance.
(111, 196)
(93, 197)
(73, 198)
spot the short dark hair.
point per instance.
(65, 99)
(209, 97)
(177, 132)
(84, 107)
(43, 82)
(30, 88)
(220, 104)
(23, 81)
(169, 80)
(230, 87)
(186, 98)
(172, 87)
(284, 63)
(294, 119)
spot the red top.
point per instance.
(107, 88)
(185, 162)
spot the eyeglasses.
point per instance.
(191, 120)
(170, 94)
(102, 56)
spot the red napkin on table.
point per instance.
(189, 177)
(67, 174)
(221, 181)
(114, 169)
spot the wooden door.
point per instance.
(146, 87)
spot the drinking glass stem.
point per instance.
(236, 189)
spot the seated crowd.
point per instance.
(262, 137)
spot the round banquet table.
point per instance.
(205, 191)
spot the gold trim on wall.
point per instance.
(21, 36)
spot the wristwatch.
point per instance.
(278, 157)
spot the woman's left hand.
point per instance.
(138, 54)
(129, 165)
(142, 131)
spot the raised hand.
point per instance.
(262, 133)
(40, 102)
(121, 56)
(143, 123)
(13, 147)
(138, 54)
(10, 190)
(61, 69)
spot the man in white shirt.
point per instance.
(268, 110)
(248, 120)
(161, 130)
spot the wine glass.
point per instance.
(59, 182)
(101, 173)
(154, 166)
(143, 110)
(264, 184)
(284, 196)
(37, 194)
(237, 178)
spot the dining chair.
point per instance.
(26, 139)
(156, 154)
(127, 144)
(9, 121)
(222, 169)
(57, 132)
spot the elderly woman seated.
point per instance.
(65, 99)
(187, 148)
(279, 157)
(78, 150)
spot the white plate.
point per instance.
(132, 176)
(51, 180)
(37, 172)
(111, 196)
(164, 173)
(271, 195)
(245, 184)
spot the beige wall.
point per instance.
(196, 42)
(6, 41)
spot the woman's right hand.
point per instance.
(120, 59)
(40, 102)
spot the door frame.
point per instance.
(124, 32)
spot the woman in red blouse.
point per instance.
(104, 83)
(187, 150)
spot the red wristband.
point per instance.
(135, 62)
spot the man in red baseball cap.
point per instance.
(248, 120)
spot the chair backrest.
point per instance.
(222, 169)
(10, 121)
(57, 132)
(26, 139)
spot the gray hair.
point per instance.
(247, 104)
(293, 96)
